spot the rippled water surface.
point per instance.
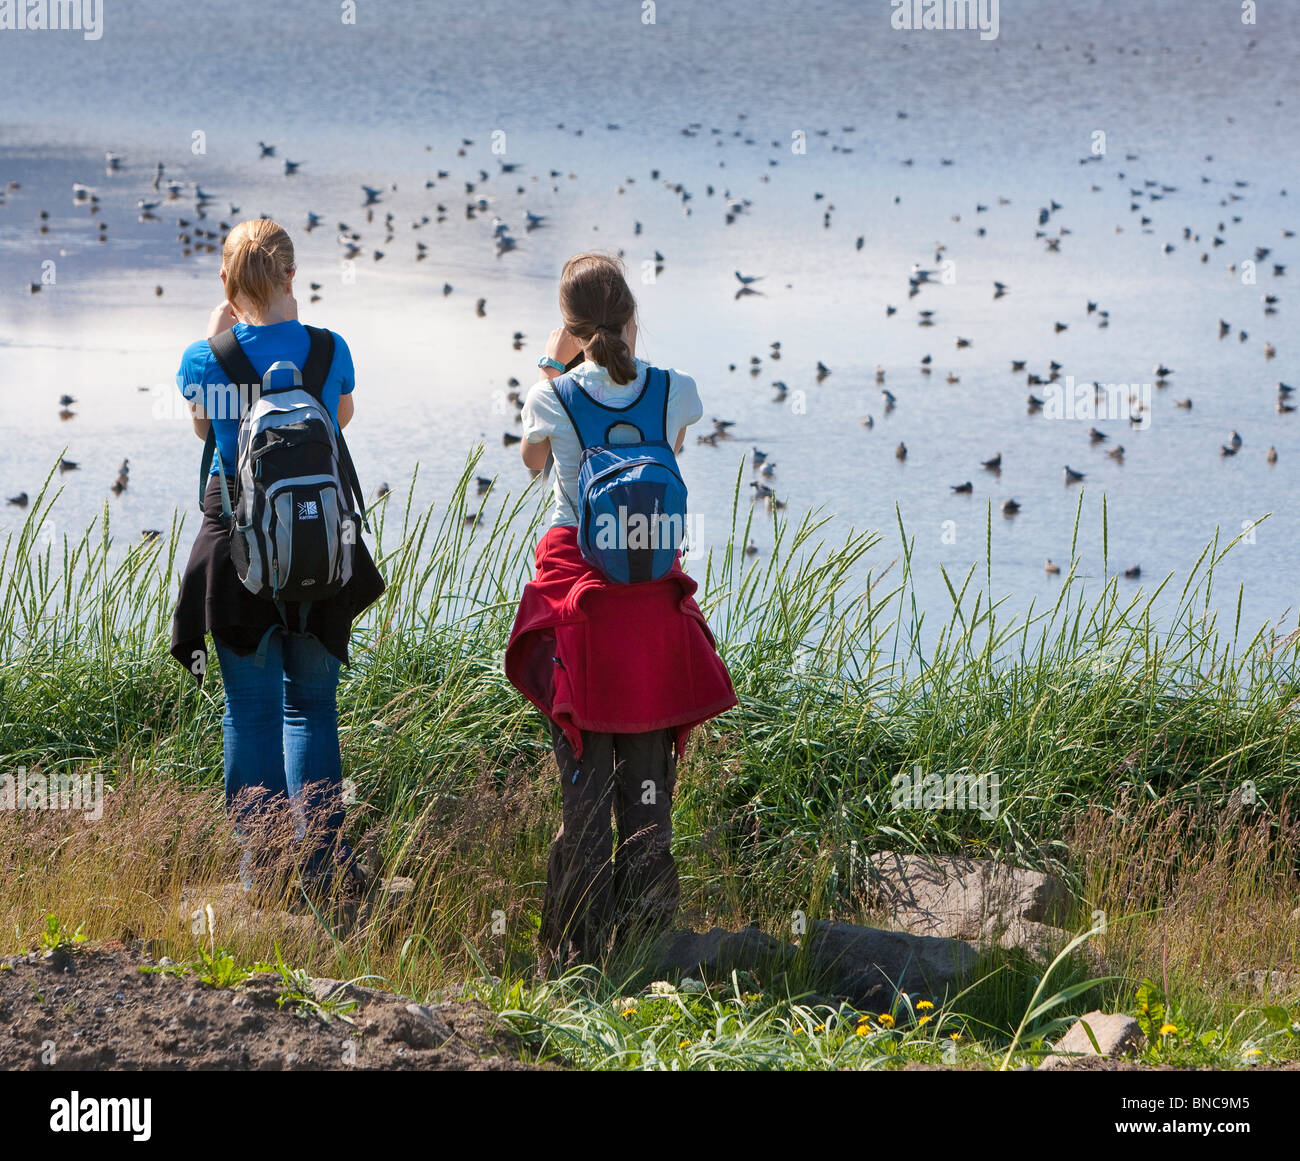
(612, 122)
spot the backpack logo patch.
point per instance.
(307, 510)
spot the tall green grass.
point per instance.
(1067, 706)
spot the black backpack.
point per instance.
(293, 525)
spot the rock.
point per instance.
(960, 898)
(412, 1024)
(1265, 982)
(59, 958)
(717, 953)
(268, 979)
(851, 961)
(1116, 1035)
(1040, 939)
(863, 962)
(434, 1013)
(323, 989)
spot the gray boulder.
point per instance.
(864, 963)
(716, 953)
(1269, 982)
(974, 899)
(1039, 939)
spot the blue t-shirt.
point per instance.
(200, 371)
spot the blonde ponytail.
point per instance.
(257, 260)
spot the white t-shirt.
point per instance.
(544, 417)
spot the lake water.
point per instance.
(589, 102)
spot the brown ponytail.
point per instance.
(257, 259)
(597, 305)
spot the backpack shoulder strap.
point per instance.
(205, 468)
(320, 357)
(205, 464)
(232, 360)
(668, 435)
(239, 372)
(577, 406)
(351, 479)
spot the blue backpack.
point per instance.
(631, 497)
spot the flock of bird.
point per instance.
(479, 193)
(1136, 407)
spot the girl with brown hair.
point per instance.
(623, 671)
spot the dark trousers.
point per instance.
(595, 890)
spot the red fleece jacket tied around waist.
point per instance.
(610, 658)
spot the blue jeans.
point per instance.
(280, 733)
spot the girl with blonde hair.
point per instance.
(279, 662)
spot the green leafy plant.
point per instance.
(297, 995)
(1151, 1008)
(217, 968)
(56, 937)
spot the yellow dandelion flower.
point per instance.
(923, 1021)
(864, 1030)
(864, 1019)
(924, 1006)
(886, 1020)
(820, 1028)
(684, 1044)
(1253, 1052)
(955, 1036)
(1168, 1029)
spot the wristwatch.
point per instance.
(546, 362)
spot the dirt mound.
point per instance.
(94, 1008)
